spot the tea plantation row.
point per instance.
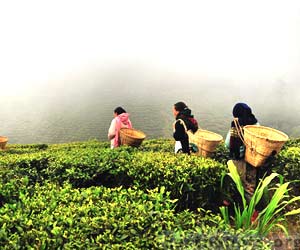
(86, 196)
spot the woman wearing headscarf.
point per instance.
(250, 175)
(184, 121)
(121, 120)
(243, 116)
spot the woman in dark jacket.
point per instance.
(184, 121)
(243, 116)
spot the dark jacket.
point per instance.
(180, 132)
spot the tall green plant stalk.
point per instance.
(269, 217)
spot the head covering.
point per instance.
(244, 114)
(186, 112)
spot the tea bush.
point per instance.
(83, 195)
(63, 217)
(193, 181)
(158, 145)
(23, 149)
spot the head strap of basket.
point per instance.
(239, 129)
(182, 123)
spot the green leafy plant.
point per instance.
(50, 216)
(193, 181)
(83, 195)
(270, 216)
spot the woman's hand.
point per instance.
(110, 137)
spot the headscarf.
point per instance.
(188, 118)
(244, 114)
(121, 119)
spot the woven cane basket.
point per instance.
(131, 137)
(262, 142)
(3, 141)
(206, 141)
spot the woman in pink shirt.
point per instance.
(121, 120)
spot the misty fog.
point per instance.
(65, 65)
(80, 107)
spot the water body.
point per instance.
(80, 107)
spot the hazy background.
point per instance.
(65, 65)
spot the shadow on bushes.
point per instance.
(105, 179)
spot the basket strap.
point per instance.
(239, 130)
(182, 123)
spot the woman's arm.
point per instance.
(227, 140)
(179, 133)
(112, 130)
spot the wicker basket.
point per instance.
(131, 137)
(205, 140)
(262, 142)
(3, 141)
